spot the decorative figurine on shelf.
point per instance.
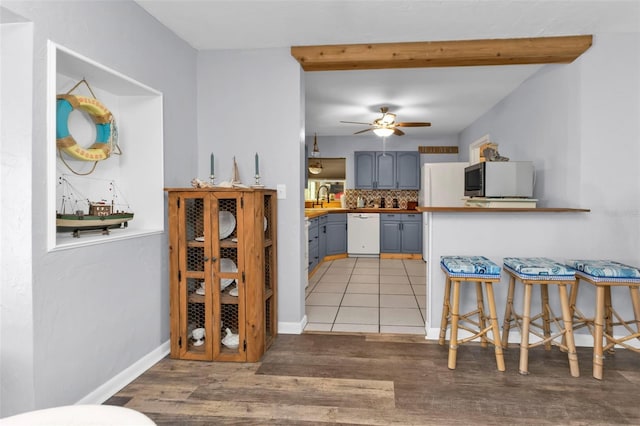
(198, 336)
(197, 183)
(491, 154)
(234, 182)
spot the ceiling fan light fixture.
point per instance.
(388, 118)
(383, 131)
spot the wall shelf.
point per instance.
(138, 172)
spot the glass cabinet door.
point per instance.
(194, 269)
(228, 277)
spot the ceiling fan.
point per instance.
(387, 125)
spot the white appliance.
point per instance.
(441, 185)
(363, 234)
(502, 179)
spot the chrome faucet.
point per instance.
(318, 202)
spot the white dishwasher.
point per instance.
(363, 234)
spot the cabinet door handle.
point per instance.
(213, 259)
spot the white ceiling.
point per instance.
(450, 98)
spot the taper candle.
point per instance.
(257, 167)
(212, 167)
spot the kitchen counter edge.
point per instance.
(311, 213)
(501, 210)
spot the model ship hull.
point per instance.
(72, 222)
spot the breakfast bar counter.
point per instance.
(497, 233)
(501, 210)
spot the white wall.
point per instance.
(96, 310)
(579, 124)
(250, 101)
(16, 313)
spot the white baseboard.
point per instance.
(292, 327)
(111, 387)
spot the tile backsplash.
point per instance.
(373, 197)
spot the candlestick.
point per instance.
(257, 166)
(257, 184)
(212, 165)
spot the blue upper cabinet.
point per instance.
(365, 166)
(408, 170)
(387, 170)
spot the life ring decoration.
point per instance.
(100, 115)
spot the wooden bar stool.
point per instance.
(605, 274)
(479, 270)
(540, 271)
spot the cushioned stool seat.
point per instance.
(479, 270)
(605, 274)
(540, 271)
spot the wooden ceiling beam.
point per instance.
(457, 53)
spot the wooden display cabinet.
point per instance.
(221, 239)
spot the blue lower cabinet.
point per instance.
(314, 244)
(336, 233)
(390, 236)
(322, 237)
(401, 233)
(412, 237)
(314, 259)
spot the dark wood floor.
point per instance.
(382, 380)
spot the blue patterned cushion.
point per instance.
(605, 269)
(470, 265)
(538, 267)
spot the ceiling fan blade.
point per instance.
(362, 131)
(397, 132)
(356, 122)
(412, 124)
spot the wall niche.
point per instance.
(134, 179)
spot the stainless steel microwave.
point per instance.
(499, 179)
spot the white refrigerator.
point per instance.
(441, 185)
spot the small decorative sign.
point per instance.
(438, 149)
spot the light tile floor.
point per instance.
(367, 295)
